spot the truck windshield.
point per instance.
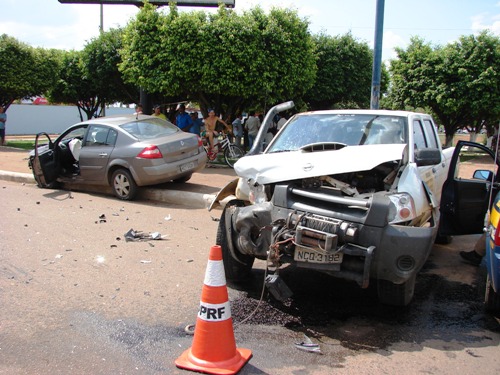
(348, 129)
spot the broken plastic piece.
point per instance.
(277, 287)
(133, 235)
(308, 346)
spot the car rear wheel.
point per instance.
(237, 266)
(123, 184)
(491, 298)
(396, 294)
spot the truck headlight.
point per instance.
(401, 209)
(257, 192)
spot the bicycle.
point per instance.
(222, 144)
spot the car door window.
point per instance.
(100, 136)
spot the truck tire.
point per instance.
(237, 266)
(396, 294)
(491, 298)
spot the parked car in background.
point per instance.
(492, 294)
(124, 152)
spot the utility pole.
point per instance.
(377, 55)
(101, 30)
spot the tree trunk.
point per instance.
(448, 140)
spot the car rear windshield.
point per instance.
(348, 129)
(150, 128)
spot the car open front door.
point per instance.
(44, 162)
(469, 189)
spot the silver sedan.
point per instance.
(124, 152)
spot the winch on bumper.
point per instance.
(349, 238)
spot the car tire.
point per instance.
(232, 154)
(396, 294)
(237, 266)
(184, 179)
(123, 184)
(491, 298)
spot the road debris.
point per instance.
(133, 235)
(307, 345)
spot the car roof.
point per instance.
(117, 120)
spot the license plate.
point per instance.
(187, 167)
(311, 256)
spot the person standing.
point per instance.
(183, 120)
(138, 109)
(238, 129)
(476, 255)
(252, 125)
(281, 121)
(157, 112)
(3, 120)
(196, 128)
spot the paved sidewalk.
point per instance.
(197, 192)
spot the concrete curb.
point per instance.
(183, 198)
(17, 177)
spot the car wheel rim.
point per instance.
(122, 185)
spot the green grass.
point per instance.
(22, 144)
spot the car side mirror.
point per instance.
(483, 175)
(427, 156)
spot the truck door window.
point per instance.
(472, 159)
(418, 135)
(431, 134)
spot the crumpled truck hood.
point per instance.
(293, 165)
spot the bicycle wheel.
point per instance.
(232, 154)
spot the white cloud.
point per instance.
(484, 21)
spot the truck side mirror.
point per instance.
(483, 175)
(427, 156)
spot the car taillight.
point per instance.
(150, 152)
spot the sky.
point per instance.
(50, 24)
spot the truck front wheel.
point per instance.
(237, 266)
(396, 294)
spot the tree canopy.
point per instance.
(344, 73)
(458, 82)
(224, 61)
(26, 71)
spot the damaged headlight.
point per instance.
(257, 192)
(402, 208)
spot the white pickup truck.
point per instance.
(352, 193)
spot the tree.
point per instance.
(344, 73)
(459, 82)
(472, 68)
(90, 78)
(26, 71)
(73, 86)
(100, 59)
(224, 61)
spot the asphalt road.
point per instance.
(76, 298)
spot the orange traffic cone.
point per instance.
(214, 349)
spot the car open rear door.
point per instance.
(469, 189)
(44, 162)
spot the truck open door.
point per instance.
(468, 191)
